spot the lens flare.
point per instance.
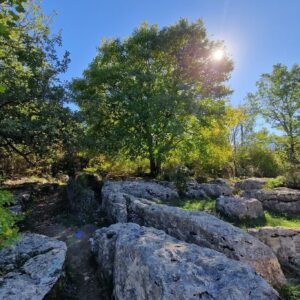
(218, 54)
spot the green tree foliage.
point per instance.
(146, 95)
(9, 15)
(278, 101)
(8, 230)
(33, 118)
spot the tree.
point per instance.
(33, 118)
(138, 96)
(278, 101)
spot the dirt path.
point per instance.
(47, 213)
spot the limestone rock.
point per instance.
(196, 227)
(148, 190)
(281, 200)
(251, 184)
(285, 243)
(240, 208)
(206, 190)
(146, 263)
(30, 268)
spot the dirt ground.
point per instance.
(46, 212)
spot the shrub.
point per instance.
(177, 174)
(292, 177)
(275, 182)
(8, 230)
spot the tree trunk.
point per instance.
(155, 166)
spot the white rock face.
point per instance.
(240, 208)
(146, 263)
(281, 200)
(30, 268)
(251, 184)
(285, 243)
(194, 227)
(207, 190)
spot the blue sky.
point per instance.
(257, 33)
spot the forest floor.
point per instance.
(47, 213)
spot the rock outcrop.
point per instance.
(238, 208)
(31, 267)
(146, 263)
(285, 243)
(195, 227)
(207, 190)
(280, 200)
(251, 184)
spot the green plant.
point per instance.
(275, 182)
(8, 230)
(290, 292)
(292, 177)
(178, 174)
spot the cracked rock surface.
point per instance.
(285, 243)
(31, 267)
(146, 263)
(240, 208)
(280, 200)
(195, 227)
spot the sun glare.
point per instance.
(218, 54)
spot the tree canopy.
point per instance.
(145, 95)
(33, 118)
(278, 100)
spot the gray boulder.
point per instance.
(206, 190)
(285, 243)
(146, 263)
(31, 267)
(251, 184)
(149, 190)
(196, 227)
(281, 200)
(239, 208)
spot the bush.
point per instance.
(177, 174)
(275, 182)
(8, 230)
(257, 161)
(292, 177)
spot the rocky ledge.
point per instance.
(31, 267)
(251, 184)
(285, 243)
(146, 263)
(280, 200)
(193, 227)
(207, 190)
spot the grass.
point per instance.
(290, 292)
(197, 204)
(275, 220)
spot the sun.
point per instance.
(218, 54)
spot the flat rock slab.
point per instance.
(30, 268)
(147, 189)
(146, 263)
(239, 208)
(285, 243)
(207, 190)
(251, 184)
(280, 200)
(194, 227)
